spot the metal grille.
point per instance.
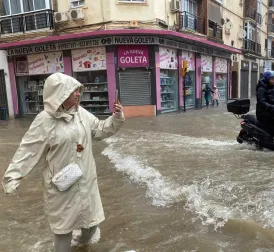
(3, 91)
(135, 87)
(254, 80)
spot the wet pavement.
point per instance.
(178, 182)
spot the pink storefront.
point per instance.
(143, 65)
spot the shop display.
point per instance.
(189, 96)
(95, 95)
(221, 83)
(168, 79)
(169, 90)
(31, 90)
(189, 91)
(221, 77)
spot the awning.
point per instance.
(214, 12)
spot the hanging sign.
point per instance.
(220, 65)
(133, 56)
(45, 63)
(90, 59)
(168, 58)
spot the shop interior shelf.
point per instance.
(165, 77)
(167, 92)
(167, 109)
(168, 101)
(101, 83)
(166, 85)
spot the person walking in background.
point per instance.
(215, 96)
(61, 135)
(208, 91)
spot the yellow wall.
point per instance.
(234, 12)
(111, 10)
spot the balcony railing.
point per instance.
(215, 30)
(188, 21)
(270, 53)
(271, 3)
(251, 13)
(22, 23)
(252, 46)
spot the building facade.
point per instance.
(135, 47)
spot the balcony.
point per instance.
(215, 31)
(252, 47)
(26, 22)
(270, 53)
(251, 13)
(271, 5)
(270, 30)
(188, 21)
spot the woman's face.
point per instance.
(73, 99)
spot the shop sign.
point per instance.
(90, 59)
(254, 67)
(245, 65)
(168, 58)
(142, 40)
(190, 58)
(206, 63)
(45, 63)
(60, 46)
(133, 56)
(220, 65)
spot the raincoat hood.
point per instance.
(57, 88)
(261, 83)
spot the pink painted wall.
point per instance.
(111, 79)
(214, 71)
(13, 86)
(198, 78)
(181, 79)
(68, 65)
(158, 81)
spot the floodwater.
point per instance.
(178, 182)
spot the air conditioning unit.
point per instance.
(60, 17)
(175, 5)
(22, 67)
(77, 14)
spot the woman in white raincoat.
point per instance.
(55, 135)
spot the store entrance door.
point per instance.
(135, 87)
(244, 83)
(254, 81)
(234, 91)
(3, 91)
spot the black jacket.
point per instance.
(265, 102)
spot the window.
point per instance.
(250, 30)
(259, 6)
(258, 36)
(13, 7)
(132, 1)
(77, 3)
(190, 6)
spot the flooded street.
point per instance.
(178, 182)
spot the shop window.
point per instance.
(13, 7)
(77, 3)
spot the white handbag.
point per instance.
(65, 178)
